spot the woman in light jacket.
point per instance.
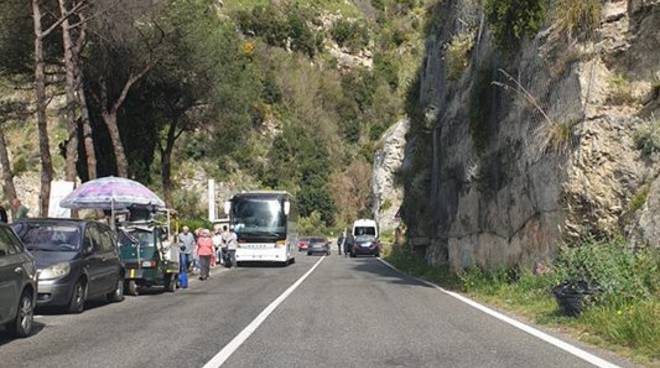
(204, 251)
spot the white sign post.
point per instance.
(212, 208)
(58, 190)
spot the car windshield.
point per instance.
(258, 217)
(317, 240)
(365, 230)
(50, 237)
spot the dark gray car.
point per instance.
(318, 245)
(77, 260)
(18, 284)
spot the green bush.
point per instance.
(311, 225)
(647, 138)
(277, 26)
(352, 34)
(457, 55)
(579, 15)
(386, 69)
(511, 20)
(621, 91)
(621, 274)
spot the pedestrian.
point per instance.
(340, 242)
(187, 241)
(229, 241)
(3, 215)
(20, 211)
(204, 251)
(217, 243)
(348, 243)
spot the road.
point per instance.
(346, 313)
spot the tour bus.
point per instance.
(265, 223)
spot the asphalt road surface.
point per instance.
(346, 313)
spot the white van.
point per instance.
(365, 227)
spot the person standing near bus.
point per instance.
(230, 242)
(187, 241)
(204, 252)
(218, 243)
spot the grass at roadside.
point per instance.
(624, 317)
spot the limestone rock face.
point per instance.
(510, 177)
(387, 194)
(647, 229)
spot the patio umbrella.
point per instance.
(111, 193)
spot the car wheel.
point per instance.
(292, 261)
(78, 298)
(117, 295)
(352, 255)
(132, 288)
(170, 284)
(309, 253)
(22, 325)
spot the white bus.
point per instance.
(265, 223)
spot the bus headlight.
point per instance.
(280, 244)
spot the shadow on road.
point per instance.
(6, 337)
(372, 265)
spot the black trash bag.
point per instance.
(572, 295)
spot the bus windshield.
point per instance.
(258, 218)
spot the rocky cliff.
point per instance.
(529, 147)
(387, 193)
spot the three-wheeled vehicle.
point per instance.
(149, 258)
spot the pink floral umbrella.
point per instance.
(112, 193)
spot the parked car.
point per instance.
(365, 245)
(18, 284)
(77, 260)
(318, 245)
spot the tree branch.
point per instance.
(129, 83)
(62, 19)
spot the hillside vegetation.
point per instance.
(291, 95)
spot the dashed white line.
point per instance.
(219, 359)
(571, 349)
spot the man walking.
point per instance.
(187, 241)
(229, 242)
(340, 242)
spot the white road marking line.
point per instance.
(219, 359)
(586, 356)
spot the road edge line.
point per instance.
(221, 357)
(561, 344)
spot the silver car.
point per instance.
(18, 284)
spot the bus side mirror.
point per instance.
(227, 207)
(287, 208)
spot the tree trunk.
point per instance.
(166, 164)
(7, 176)
(70, 89)
(110, 119)
(88, 139)
(42, 120)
